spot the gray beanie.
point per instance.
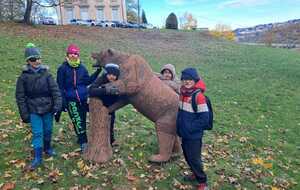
(32, 51)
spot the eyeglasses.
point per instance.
(33, 59)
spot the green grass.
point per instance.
(255, 92)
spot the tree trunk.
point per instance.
(27, 14)
(99, 148)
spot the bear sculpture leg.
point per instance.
(99, 149)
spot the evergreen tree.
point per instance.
(144, 19)
(171, 22)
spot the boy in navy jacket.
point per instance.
(73, 79)
(190, 124)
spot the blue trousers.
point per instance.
(41, 126)
(192, 154)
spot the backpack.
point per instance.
(210, 109)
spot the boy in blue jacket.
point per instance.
(73, 79)
(190, 124)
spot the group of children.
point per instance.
(39, 97)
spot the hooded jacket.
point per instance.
(174, 82)
(190, 125)
(73, 82)
(37, 92)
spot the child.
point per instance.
(38, 97)
(73, 79)
(190, 124)
(111, 74)
(168, 76)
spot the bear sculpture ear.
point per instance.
(111, 51)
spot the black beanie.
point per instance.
(190, 74)
(112, 69)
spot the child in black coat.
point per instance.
(111, 73)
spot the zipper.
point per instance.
(75, 83)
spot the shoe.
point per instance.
(37, 161)
(115, 143)
(48, 149)
(202, 186)
(189, 178)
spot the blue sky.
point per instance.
(236, 13)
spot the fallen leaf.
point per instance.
(8, 186)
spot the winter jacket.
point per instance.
(97, 90)
(189, 124)
(73, 82)
(174, 83)
(37, 92)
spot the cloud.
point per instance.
(242, 3)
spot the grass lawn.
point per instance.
(255, 93)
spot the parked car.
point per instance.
(106, 23)
(47, 21)
(88, 22)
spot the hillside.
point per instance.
(280, 33)
(254, 91)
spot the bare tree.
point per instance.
(188, 21)
(40, 3)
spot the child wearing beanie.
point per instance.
(111, 73)
(191, 124)
(73, 79)
(38, 98)
(168, 76)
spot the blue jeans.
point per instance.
(41, 126)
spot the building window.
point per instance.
(69, 15)
(100, 14)
(84, 14)
(115, 14)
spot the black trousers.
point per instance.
(192, 154)
(77, 112)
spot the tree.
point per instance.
(171, 22)
(144, 19)
(132, 10)
(41, 3)
(11, 9)
(188, 22)
(223, 31)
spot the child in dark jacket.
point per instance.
(111, 74)
(190, 124)
(38, 98)
(73, 79)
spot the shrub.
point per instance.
(171, 22)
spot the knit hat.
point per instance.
(73, 49)
(190, 74)
(32, 51)
(113, 69)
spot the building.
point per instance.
(111, 10)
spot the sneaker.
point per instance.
(202, 186)
(50, 152)
(189, 178)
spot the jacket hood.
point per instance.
(200, 85)
(171, 68)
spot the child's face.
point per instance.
(111, 77)
(73, 56)
(188, 83)
(34, 62)
(167, 74)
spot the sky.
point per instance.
(235, 13)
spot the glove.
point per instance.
(112, 90)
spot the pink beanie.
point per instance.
(73, 49)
